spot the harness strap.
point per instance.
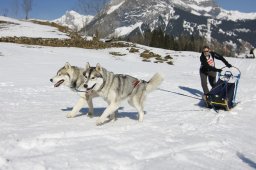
(102, 86)
(135, 83)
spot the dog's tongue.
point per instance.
(59, 83)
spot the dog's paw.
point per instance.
(99, 122)
(112, 116)
(70, 115)
(90, 114)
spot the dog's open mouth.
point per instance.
(88, 90)
(58, 83)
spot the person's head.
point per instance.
(206, 50)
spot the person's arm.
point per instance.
(220, 57)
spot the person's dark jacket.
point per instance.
(205, 67)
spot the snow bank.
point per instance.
(22, 28)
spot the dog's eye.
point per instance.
(85, 76)
(93, 77)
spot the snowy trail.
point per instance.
(177, 132)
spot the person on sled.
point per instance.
(208, 69)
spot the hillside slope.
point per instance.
(10, 27)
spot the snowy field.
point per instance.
(177, 132)
(23, 28)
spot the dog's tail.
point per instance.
(154, 82)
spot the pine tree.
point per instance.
(157, 39)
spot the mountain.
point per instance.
(204, 18)
(235, 15)
(74, 20)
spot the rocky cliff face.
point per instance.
(174, 17)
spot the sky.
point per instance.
(44, 9)
(53, 9)
(240, 5)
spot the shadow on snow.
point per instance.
(100, 110)
(246, 160)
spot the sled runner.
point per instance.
(223, 95)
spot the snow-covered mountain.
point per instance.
(198, 7)
(235, 15)
(175, 17)
(74, 20)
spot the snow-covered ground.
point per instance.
(177, 132)
(23, 28)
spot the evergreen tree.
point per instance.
(167, 42)
(147, 37)
(157, 39)
(172, 40)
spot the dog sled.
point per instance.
(223, 94)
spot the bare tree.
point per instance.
(5, 12)
(15, 6)
(86, 7)
(83, 6)
(27, 7)
(98, 6)
(94, 8)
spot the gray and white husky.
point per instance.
(114, 88)
(72, 77)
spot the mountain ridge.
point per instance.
(197, 17)
(73, 20)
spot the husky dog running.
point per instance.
(114, 88)
(73, 78)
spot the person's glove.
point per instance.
(228, 65)
(218, 70)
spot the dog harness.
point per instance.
(135, 83)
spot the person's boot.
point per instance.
(206, 101)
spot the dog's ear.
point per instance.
(67, 65)
(87, 66)
(98, 68)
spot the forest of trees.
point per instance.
(157, 38)
(181, 43)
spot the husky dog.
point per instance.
(114, 88)
(73, 78)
